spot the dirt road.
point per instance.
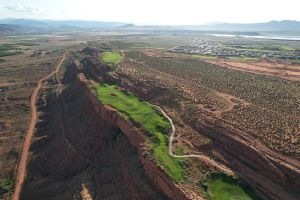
(24, 155)
(201, 157)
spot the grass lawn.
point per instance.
(111, 58)
(223, 187)
(146, 116)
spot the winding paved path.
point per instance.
(24, 155)
(201, 157)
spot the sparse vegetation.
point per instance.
(6, 50)
(230, 57)
(17, 79)
(145, 115)
(123, 44)
(272, 112)
(243, 58)
(25, 43)
(3, 54)
(7, 47)
(203, 56)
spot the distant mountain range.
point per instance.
(21, 26)
(61, 23)
(34, 26)
(286, 25)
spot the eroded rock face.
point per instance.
(81, 142)
(265, 170)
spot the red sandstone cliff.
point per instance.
(111, 116)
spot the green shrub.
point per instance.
(6, 185)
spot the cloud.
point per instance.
(24, 9)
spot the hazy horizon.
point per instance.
(140, 12)
(88, 20)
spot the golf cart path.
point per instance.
(201, 157)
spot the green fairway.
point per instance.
(145, 115)
(223, 187)
(111, 58)
(171, 165)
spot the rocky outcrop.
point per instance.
(94, 69)
(91, 50)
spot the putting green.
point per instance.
(111, 58)
(223, 187)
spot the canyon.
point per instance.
(83, 149)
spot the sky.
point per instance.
(154, 12)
